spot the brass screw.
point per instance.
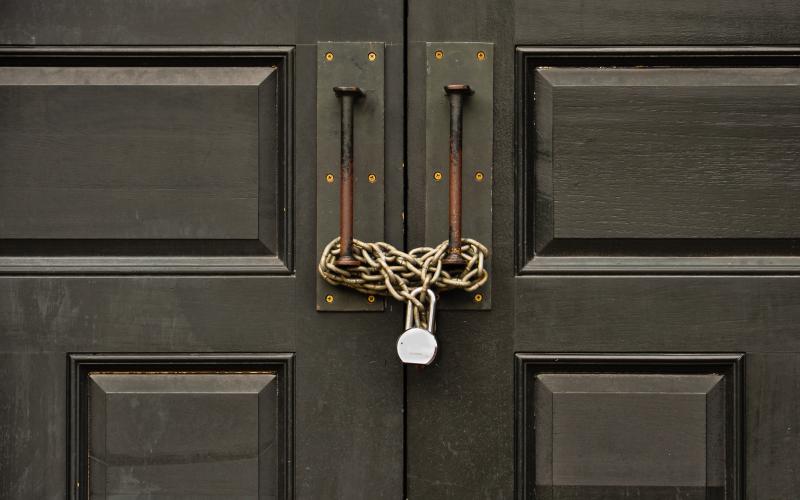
(481, 55)
(329, 299)
(437, 176)
(478, 297)
(329, 178)
(372, 178)
(329, 56)
(479, 176)
(438, 54)
(370, 298)
(372, 56)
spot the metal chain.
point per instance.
(385, 270)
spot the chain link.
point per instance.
(386, 270)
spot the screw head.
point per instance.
(329, 56)
(477, 297)
(370, 298)
(372, 56)
(372, 178)
(479, 176)
(437, 176)
(481, 55)
(329, 178)
(329, 299)
(438, 54)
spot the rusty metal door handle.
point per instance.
(456, 93)
(347, 97)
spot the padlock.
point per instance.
(418, 346)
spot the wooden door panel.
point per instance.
(687, 163)
(667, 153)
(654, 427)
(133, 153)
(169, 155)
(136, 424)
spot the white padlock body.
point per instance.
(417, 346)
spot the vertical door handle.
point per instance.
(456, 93)
(347, 97)
(350, 196)
(464, 70)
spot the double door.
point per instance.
(160, 224)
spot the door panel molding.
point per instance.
(216, 424)
(641, 425)
(700, 148)
(179, 159)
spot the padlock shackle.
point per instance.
(431, 309)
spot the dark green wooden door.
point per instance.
(158, 333)
(643, 337)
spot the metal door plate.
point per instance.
(359, 64)
(471, 64)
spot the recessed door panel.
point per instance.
(149, 156)
(605, 427)
(641, 163)
(669, 153)
(207, 426)
(132, 153)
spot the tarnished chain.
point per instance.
(385, 270)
